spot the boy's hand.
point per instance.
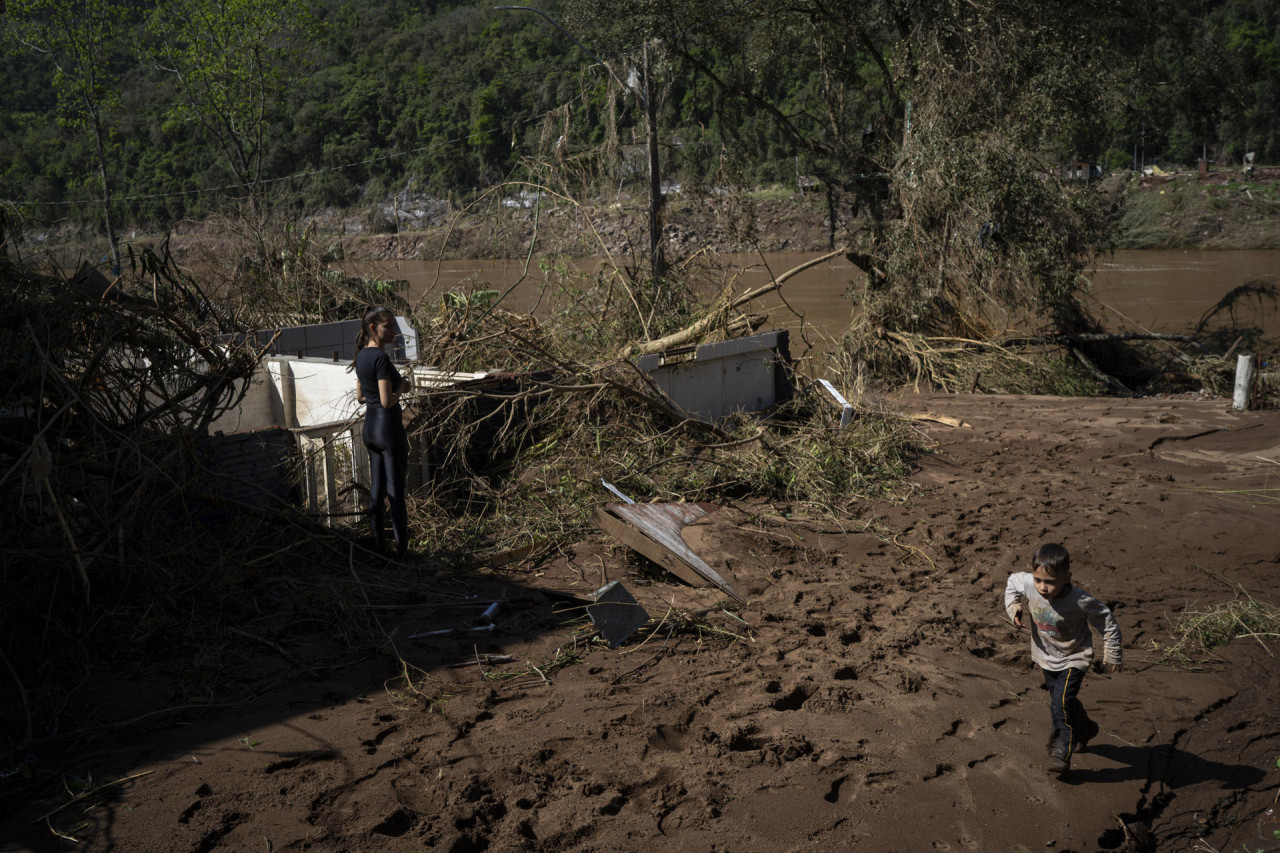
(1113, 668)
(1017, 619)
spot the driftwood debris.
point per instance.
(934, 417)
(654, 531)
(702, 324)
(1246, 371)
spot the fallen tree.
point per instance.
(936, 131)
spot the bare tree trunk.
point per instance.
(696, 328)
(106, 193)
(656, 261)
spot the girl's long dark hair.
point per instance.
(373, 315)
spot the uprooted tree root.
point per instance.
(999, 363)
(970, 357)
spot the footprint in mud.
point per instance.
(190, 811)
(613, 805)
(794, 700)
(667, 738)
(939, 770)
(371, 745)
(833, 796)
(396, 824)
(212, 840)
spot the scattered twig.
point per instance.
(90, 792)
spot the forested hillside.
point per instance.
(171, 110)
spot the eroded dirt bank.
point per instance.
(875, 698)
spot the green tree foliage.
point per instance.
(233, 61)
(937, 124)
(1209, 85)
(81, 39)
(446, 97)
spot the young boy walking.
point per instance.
(1061, 644)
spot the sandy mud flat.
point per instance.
(870, 695)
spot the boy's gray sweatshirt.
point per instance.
(1060, 636)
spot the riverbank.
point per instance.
(870, 694)
(769, 220)
(1220, 210)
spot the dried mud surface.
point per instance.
(878, 701)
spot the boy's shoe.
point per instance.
(1088, 732)
(1058, 764)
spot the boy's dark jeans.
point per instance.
(1070, 722)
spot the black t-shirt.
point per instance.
(372, 364)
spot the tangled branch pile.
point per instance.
(123, 536)
(523, 464)
(117, 533)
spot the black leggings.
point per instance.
(388, 447)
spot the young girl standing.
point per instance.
(380, 385)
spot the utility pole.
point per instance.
(657, 263)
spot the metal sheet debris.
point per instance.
(616, 614)
(846, 410)
(654, 531)
(717, 380)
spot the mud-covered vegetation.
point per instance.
(1219, 210)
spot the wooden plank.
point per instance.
(330, 481)
(309, 463)
(937, 418)
(634, 539)
(654, 531)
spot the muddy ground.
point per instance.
(874, 696)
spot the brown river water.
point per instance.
(1159, 291)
